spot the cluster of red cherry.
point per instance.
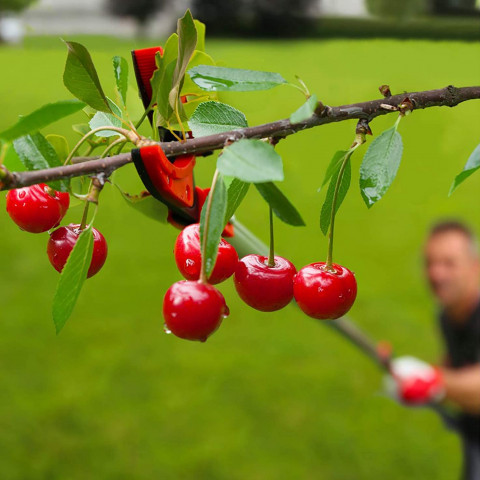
(193, 309)
(39, 208)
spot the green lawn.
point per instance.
(269, 396)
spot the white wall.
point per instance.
(60, 17)
(344, 8)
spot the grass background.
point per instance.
(269, 396)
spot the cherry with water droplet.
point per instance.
(323, 292)
(188, 256)
(61, 244)
(193, 310)
(38, 208)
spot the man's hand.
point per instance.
(415, 382)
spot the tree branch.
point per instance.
(446, 97)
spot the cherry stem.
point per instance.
(96, 186)
(329, 261)
(83, 223)
(271, 257)
(208, 207)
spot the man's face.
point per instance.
(452, 267)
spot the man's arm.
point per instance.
(462, 386)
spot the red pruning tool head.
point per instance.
(145, 65)
(169, 180)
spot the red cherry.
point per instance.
(322, 293)
(37, 208)
(193, 310)
(262, 287)
(189, 259)
(63, 240)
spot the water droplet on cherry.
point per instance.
(190, 266)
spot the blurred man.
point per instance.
(452, 266)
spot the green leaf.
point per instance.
(472, 165)
(60, 144)
(147, 205)
(162, 82)
(192, 104)
(170, 51)
(36, 153)
(214, 117)
(212, 78)
(162, 77)
(305, 111)
(72, 278)
(89, 112)
(168, 78)
(334, 166)
(187, 41)
(251, 161)
(200, 27)
(81, 78)
(216, 223)
(49, 113)
(101, 119)
(12, 160)
(120, 70)
(325, 214)
(280, 204)
(236, 191)
(380, 165)
(198, 58)
(81, 128)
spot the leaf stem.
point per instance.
(170, 129)
(3, 153)
(397, 122)
(122, 131)
(113, 145)
(271, 256)
(349, 153)
(177, 115)
(208, 206)
(305, 88)
(298, 88)
(143, 117)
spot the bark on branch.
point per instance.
(446, 97)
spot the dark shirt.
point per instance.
(463, 346)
